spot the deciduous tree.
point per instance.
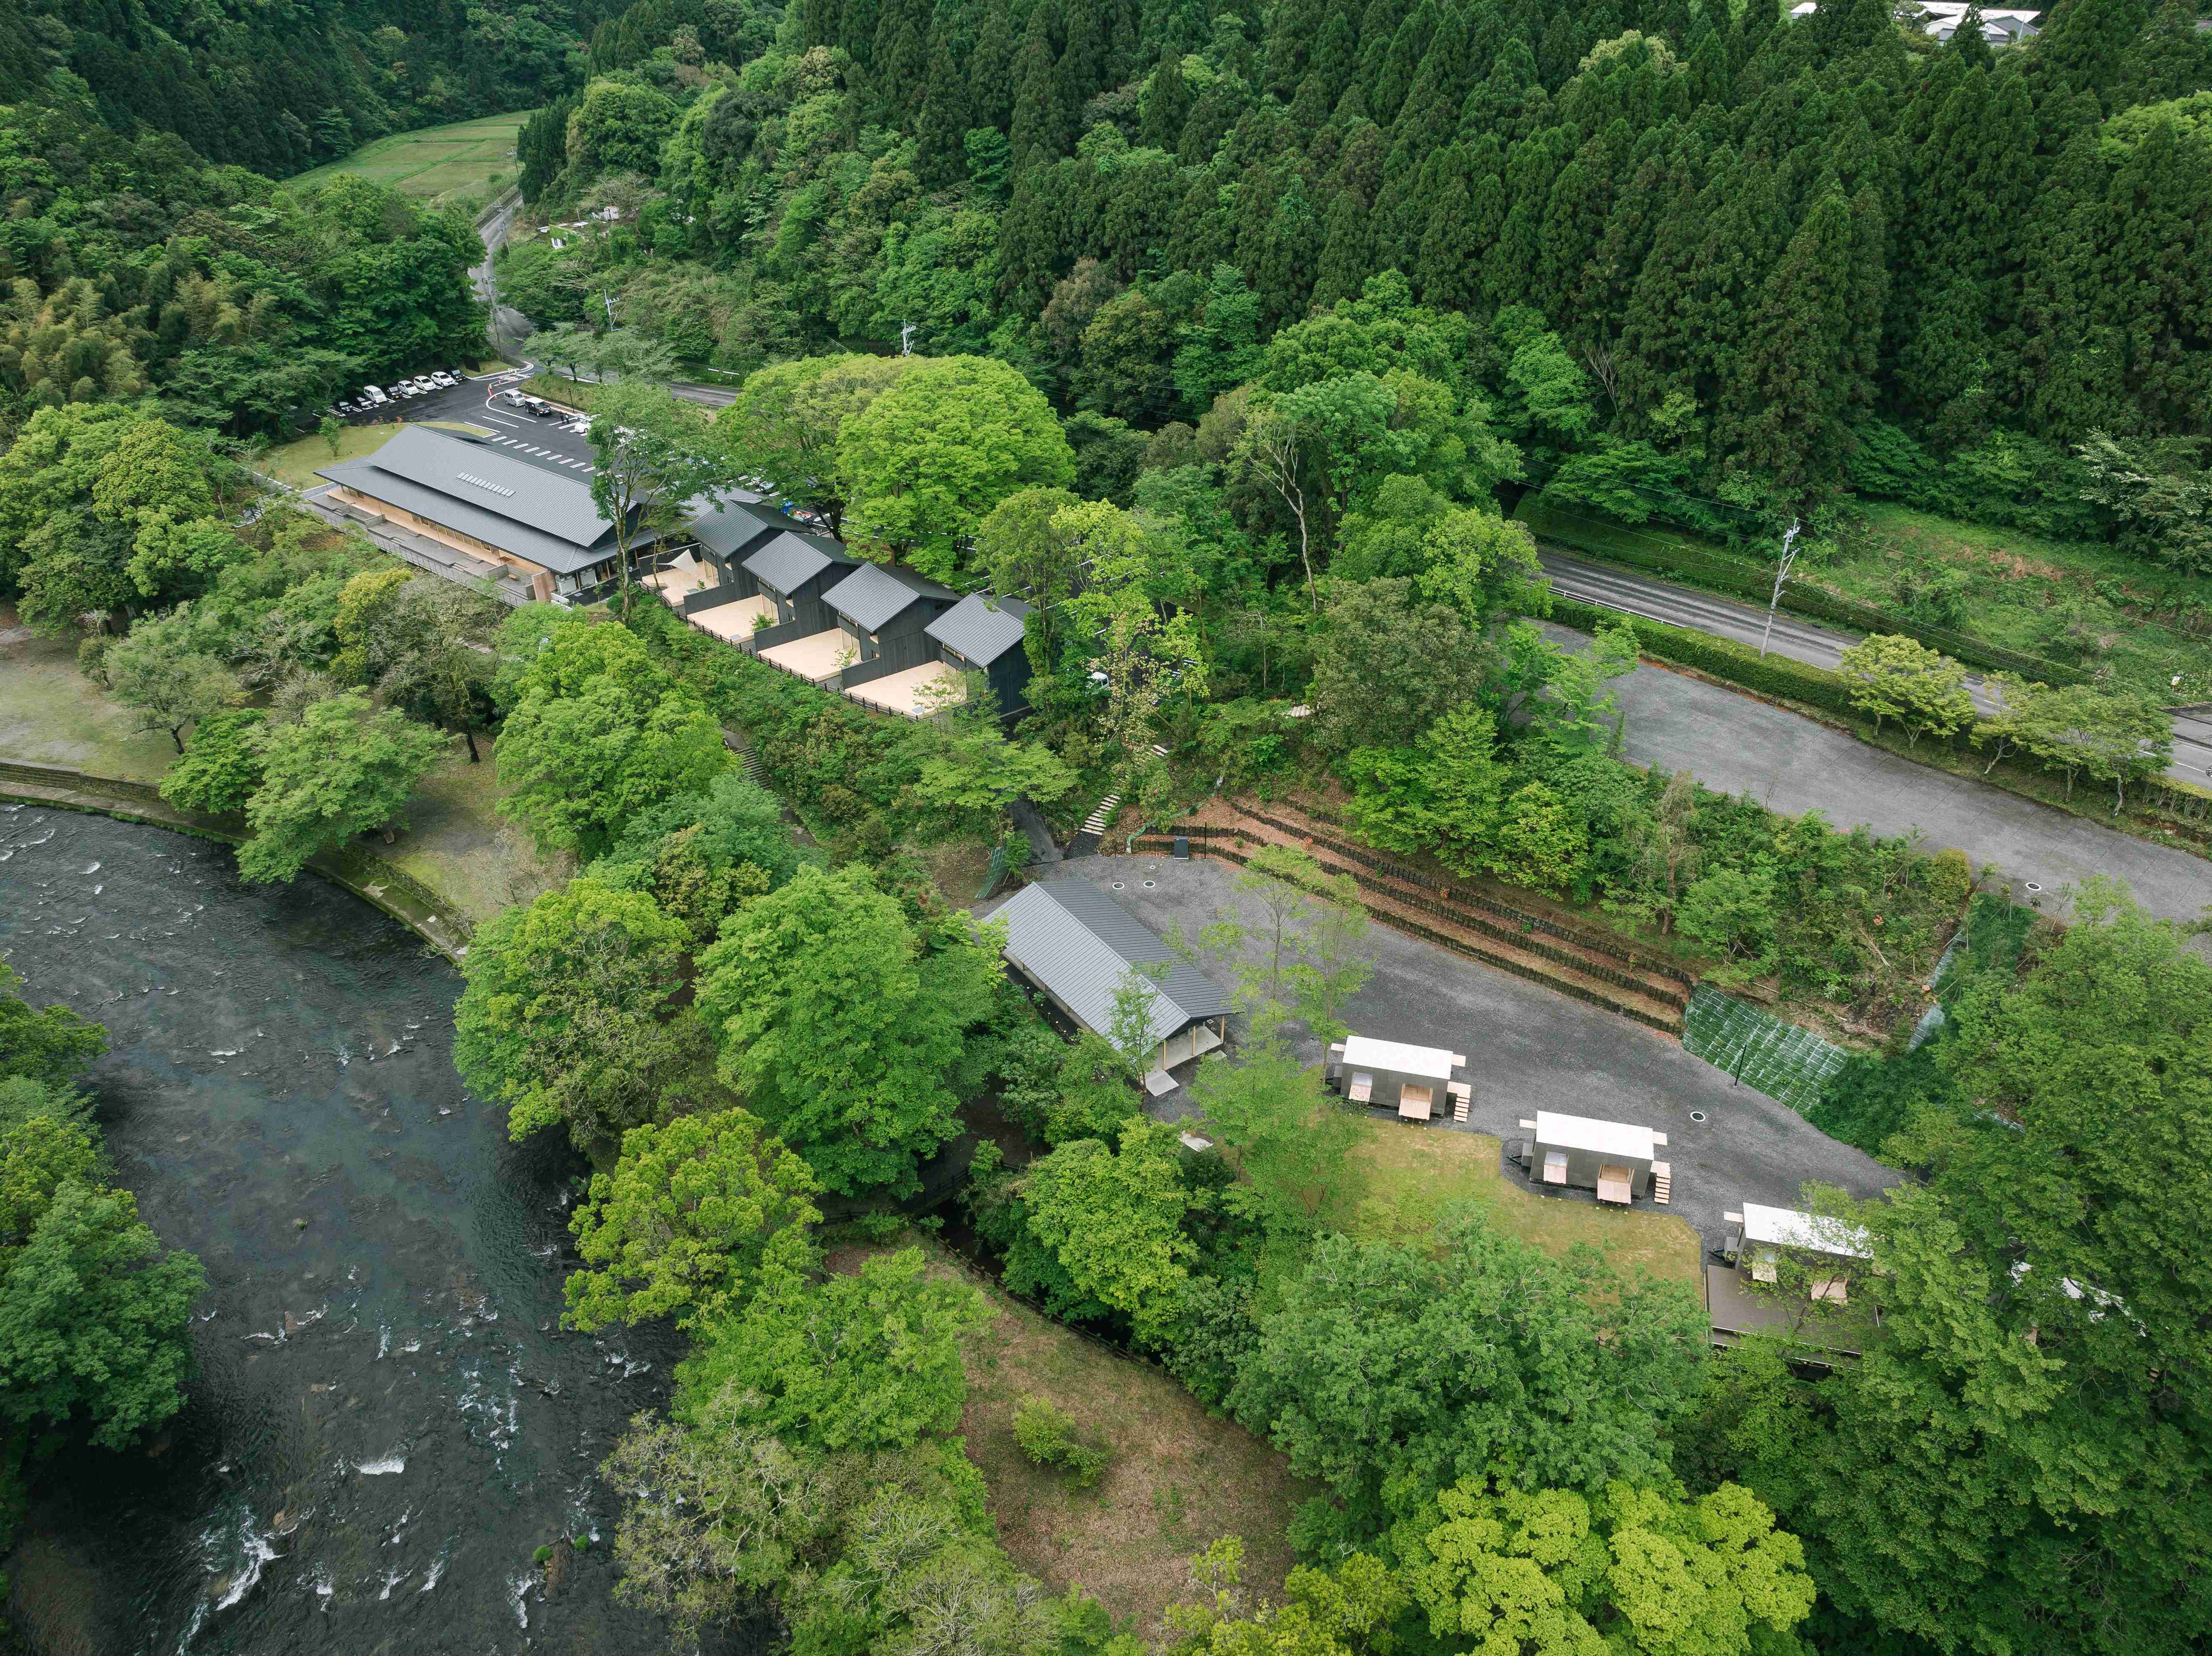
(840, 1021)
(866, 1361)
(924, 464)
(695, 1215)
(1390, 1373)
(341, 770)
(93, 1320)
(568, 1017)
(1893, 676)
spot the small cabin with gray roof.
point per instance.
(887, 611)
(1080, 949)
(794, 570)
(729, 536)
(983, 635)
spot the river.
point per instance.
(387, 1421)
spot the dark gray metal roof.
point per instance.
(1079, 944)
(872, 595)
(739, 528)
(476, 490)
(980, 628)
(789, 561)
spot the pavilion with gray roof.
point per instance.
(1080, 949)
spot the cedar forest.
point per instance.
(1239, 338)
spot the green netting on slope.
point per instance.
(1780, 1060)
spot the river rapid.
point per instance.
(386, 1421)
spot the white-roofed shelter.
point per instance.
(1616, 1159)
(1415, 1081)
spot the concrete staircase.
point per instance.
(1663, 1182)
(1086, 842)
(742, 745)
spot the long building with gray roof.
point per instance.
(1081, 949)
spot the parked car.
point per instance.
(372, 396)
(445, 378)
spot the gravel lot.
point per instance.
(1531, 1049)
(1736, 744)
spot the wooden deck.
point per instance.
(734, 622)
(918, 692)
(816, 657)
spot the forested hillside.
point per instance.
(279, 87)
(131, 268)
(1780, 257)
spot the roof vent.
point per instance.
(480, 483)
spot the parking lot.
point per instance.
(544, 441)
(1530, 1049)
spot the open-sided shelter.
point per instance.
(1080, 949)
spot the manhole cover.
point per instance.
(1149, 885)
(2033, 886)
(1697, 1115)
(1118, 886)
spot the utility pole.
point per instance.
(906, 339)
(1781, 574)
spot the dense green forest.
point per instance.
(1779, 258)
(280, 88)
(130, 268)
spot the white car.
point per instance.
(445, 379)
(372, 396)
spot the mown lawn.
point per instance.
(296, 463)
(50, 715)
(435, 162)
(1414, 1172)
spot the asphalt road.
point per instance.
(1531, 1049)
(1800, 640)
(1738, 744)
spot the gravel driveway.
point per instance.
(1529, 1049)
(1736, 744)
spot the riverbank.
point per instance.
(434, 917)
(461, 860)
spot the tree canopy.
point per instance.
(840, 1021)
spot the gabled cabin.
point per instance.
(1617, 1161)
(795, 571)
(983, 635)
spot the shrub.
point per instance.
(1738, 664)
(1046, 1438)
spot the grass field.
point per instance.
(49, 715)
(1414, 1172)
(2124, 611)
(435, 162)
(460, 846)
(296, 463)
(1180, 1480)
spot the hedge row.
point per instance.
(1739, 663)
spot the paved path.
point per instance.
(1799, 639)
(1737, 744)
(1530, 1049)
